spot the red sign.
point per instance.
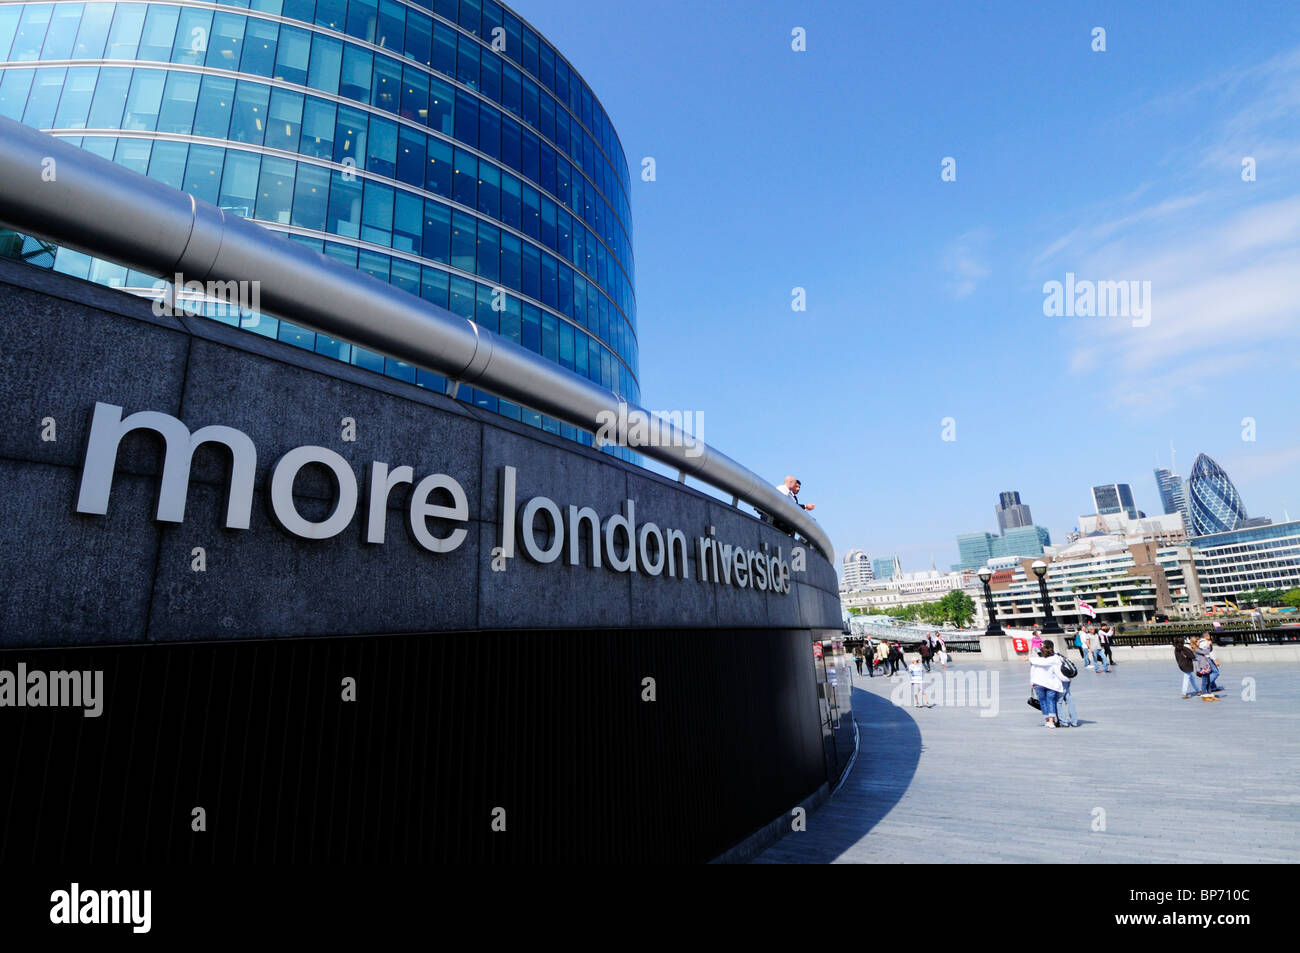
(817, 650)
(1019, 644)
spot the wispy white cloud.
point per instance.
(965, 261)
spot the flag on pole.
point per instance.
(1087, 610)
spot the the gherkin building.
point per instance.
(1214, 502)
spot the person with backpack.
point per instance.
(1207, 668)
(882, 658)
(1046, 681)
(1187, 665)
(1068, 672)
(924, 651)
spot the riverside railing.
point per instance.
(55, 191)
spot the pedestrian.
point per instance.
(1036, 643)
(1065, 704)
(1107, 637)
(857, 659)
(1078, 644)
(882, 657)
(1085, 636)
(917, 672)
(1187, 664)
(925, 652)
(1100, 655)
(943, 657)
(1047, 682)
(791, 488)
(1207, 667)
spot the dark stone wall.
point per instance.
(68, 579)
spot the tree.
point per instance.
(1291, 598)
(957, 608)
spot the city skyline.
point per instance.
(924, 297)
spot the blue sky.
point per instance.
(821, 170)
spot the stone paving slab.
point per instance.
(1179, 781)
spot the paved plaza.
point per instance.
(1148, 778)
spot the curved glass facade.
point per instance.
(1215, 504)
(440, 145)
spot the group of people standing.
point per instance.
(1094, 643)
(886, 658)
(1197, 659)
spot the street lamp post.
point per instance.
(994, 627)
(1050, 625)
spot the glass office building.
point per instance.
(441, 145)
(1214, 502)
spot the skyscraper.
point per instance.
(1113, 498)
(1215, 504)
(857, 570)
(1173, 495)
(1011, 512)
(887, 568)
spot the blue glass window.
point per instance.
(531, 279)
(532, 330)
(350, 136)
(377, 213)
(248, 118)
(31, 33)
(134, 154)
(415, 95)
(489, 131)
(332, 14)
(203, 172)
(144, 99)
(471, 16)
(354, 82)
(441, 107)
(419, 36)
(110, 99)
(467, 61)
(345, 206)
(465, 179)
(284, 120)
(361, 19)
(489, 251)
(444, 49)
(489, 190)
(437, 234)
(326, 64)
(387, 85)
(78, 90)
(511, 262)
(304, 10)
(532, 106)
(408, 223)
(311, 197)
(391, 29)
(167, 164)
(433, 286)
(225, 45)
(62, 33)
(275, 190)
(260, 42)
(192, 33)
(531, 43)
(549, 280)
(511, 204)
(463, 233)
(382, 152)
(410, 156)
(9, 17)
(532, 224)
(490, 76)
(510, 144)
(550, 336)
(293, 55)
(460, 300)
(318, 126)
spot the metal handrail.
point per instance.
(56, 191)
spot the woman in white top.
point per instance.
(1047, 681)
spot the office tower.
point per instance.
(1011, 512)
(1215, 504)
(1113, 498)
